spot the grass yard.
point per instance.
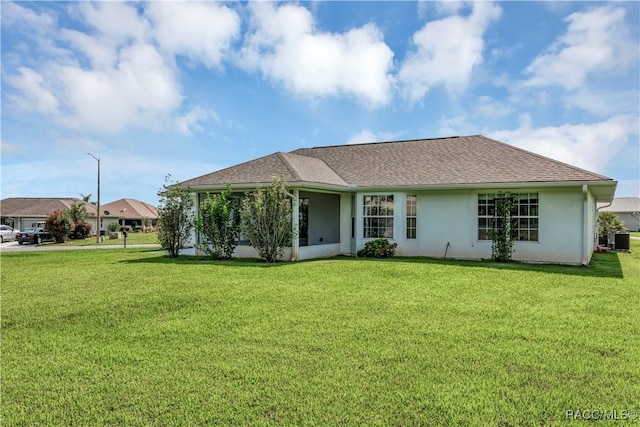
(128, 337)
(132, 239)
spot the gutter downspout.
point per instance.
(295, 217)
(585, 221)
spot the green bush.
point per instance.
(59, 225)
(113, 227)
(379, 248)
(80, 230)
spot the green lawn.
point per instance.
(132, 239)
(129, 337)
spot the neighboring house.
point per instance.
(433, 197)
(628, 209)
(132, 213)
(23, 212)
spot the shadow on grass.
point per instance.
(602, 265)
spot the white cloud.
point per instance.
(14, 14)
(596, 40)
(491, 108)
(589, 146)
(287, 48)
(188, 123)
(203, 32)
(31, 93)
(447, 51)
(362, 137)
(118, 72)
(140, 91)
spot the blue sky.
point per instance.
(157, 88)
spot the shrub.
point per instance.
(80, 230)
(501, 233)
(608, 222)
(379, 248)
(266, 220)
(58, 224)
(218, 224)
(113, 227)
(175, 217)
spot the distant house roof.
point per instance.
(423, 162)
(131, 209)
(39, 206)
(623, 205)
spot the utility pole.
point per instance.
(98, 219)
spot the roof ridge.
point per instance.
(379, 142)
(600, 177)
(287, 163)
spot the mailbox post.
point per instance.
(125, 234)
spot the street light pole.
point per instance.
(98, 220)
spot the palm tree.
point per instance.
(87, 198)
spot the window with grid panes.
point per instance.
(524, 216)
(378, 216)
(412, 216)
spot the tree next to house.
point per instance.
(608, 222)
(218, 224)
(58, 224)
(266, 220)
(175, 217)
(81, 229)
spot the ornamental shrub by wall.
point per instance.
(379, 248)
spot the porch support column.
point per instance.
(295, 223)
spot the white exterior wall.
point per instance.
(447, 223)
(631, 221)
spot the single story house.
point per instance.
(628, 209)
(24, 212)
(433, 197)
(132, 213)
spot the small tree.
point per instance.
(81, 229)
(266, 220)
(608, 222)
(501, 233)
(218, 224)
(58, 224)
(175, 217)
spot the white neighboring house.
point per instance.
(628, 209)
(433, 197)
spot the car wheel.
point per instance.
(1, 239)
(37, 240)
(19, 242)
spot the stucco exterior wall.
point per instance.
(631, 222)
(447, 224)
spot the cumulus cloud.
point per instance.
(119, 71)
(285, 47)
(589, 146)
(203, 32)
(447, 51)
(596, 40)
(30, 92)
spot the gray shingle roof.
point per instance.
(623, 204)
(440, 161)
